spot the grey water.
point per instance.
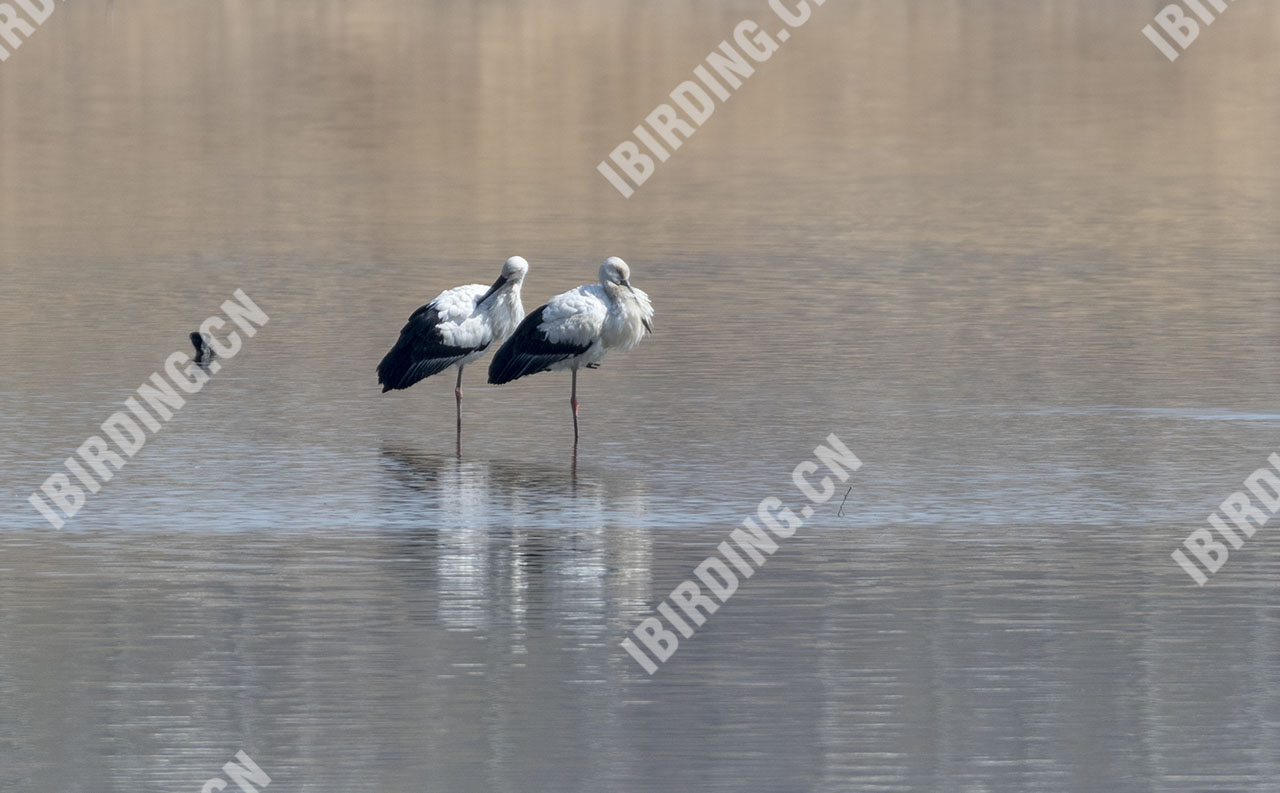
(1020, 263)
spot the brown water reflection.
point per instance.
(1017, 260)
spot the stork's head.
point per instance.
(614, 271)
(513, 273)
(515, 269)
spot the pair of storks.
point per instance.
(573, 330)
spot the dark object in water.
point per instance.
(204, 348)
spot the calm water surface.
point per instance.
(1020, 263)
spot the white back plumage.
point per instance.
(464, 324)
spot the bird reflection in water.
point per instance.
(477, 490)
(500, 537)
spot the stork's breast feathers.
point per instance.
(628, 323)
(646, 309)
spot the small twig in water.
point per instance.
(840, 512)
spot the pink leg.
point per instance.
(457, 392)
(573, 402)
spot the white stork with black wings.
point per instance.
(576, 329)
(455, 329)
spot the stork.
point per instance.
(454, 329)
(577, 329)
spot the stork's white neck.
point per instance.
(616, 292)
(505, 311)
(624, 327)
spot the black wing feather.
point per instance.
(529, 351)
(419, 352)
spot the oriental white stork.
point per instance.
(455, 329)
(577, 329)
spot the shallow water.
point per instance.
(1019, 262)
